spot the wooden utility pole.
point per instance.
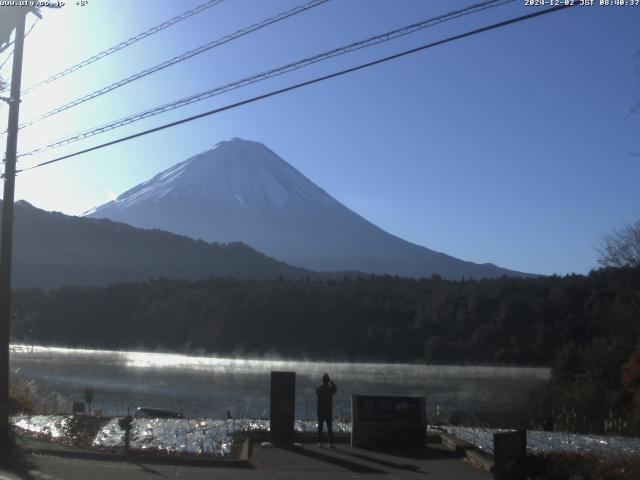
(7, 229)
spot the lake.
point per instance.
(209, 386)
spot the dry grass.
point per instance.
(573, 466)
(23, 395)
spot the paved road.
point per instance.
(307, 461)
(8, 475)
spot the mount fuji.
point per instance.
(242, 191)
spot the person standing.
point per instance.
(324, 395)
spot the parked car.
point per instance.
(146, 412)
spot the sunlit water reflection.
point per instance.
(209, 387)
(205, 388)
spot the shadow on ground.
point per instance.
(351, 459)
(427, 453)
(325, 457)
(21, 465)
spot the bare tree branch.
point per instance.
(621, 249)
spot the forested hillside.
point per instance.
(508, 320)
(53, 250)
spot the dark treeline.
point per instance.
(506, 321)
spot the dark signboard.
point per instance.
(388, 421)
(282, 409)
(389, 409)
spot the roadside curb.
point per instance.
(456, 444)
(242, 462)
(472, 455)
(480, 460)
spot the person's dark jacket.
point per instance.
(325, 392)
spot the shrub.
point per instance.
(23, 394)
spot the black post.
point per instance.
(510, 455)
(283, 407)
(7, 231)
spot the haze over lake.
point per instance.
(209, 386)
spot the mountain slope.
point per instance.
(52, 250)
(242, 191)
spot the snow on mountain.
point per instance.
(242, 191)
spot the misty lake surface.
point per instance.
(209, 386)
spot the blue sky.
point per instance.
(513, 147)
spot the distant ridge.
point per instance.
(242, 191)
(52, 250)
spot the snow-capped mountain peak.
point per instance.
(242, 171)
(240, 190)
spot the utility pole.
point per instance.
(7, 229)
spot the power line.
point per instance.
(385, 37)
(180, 58)
(7, 45)
(4, 62)
(305, 83)
(130, 41)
